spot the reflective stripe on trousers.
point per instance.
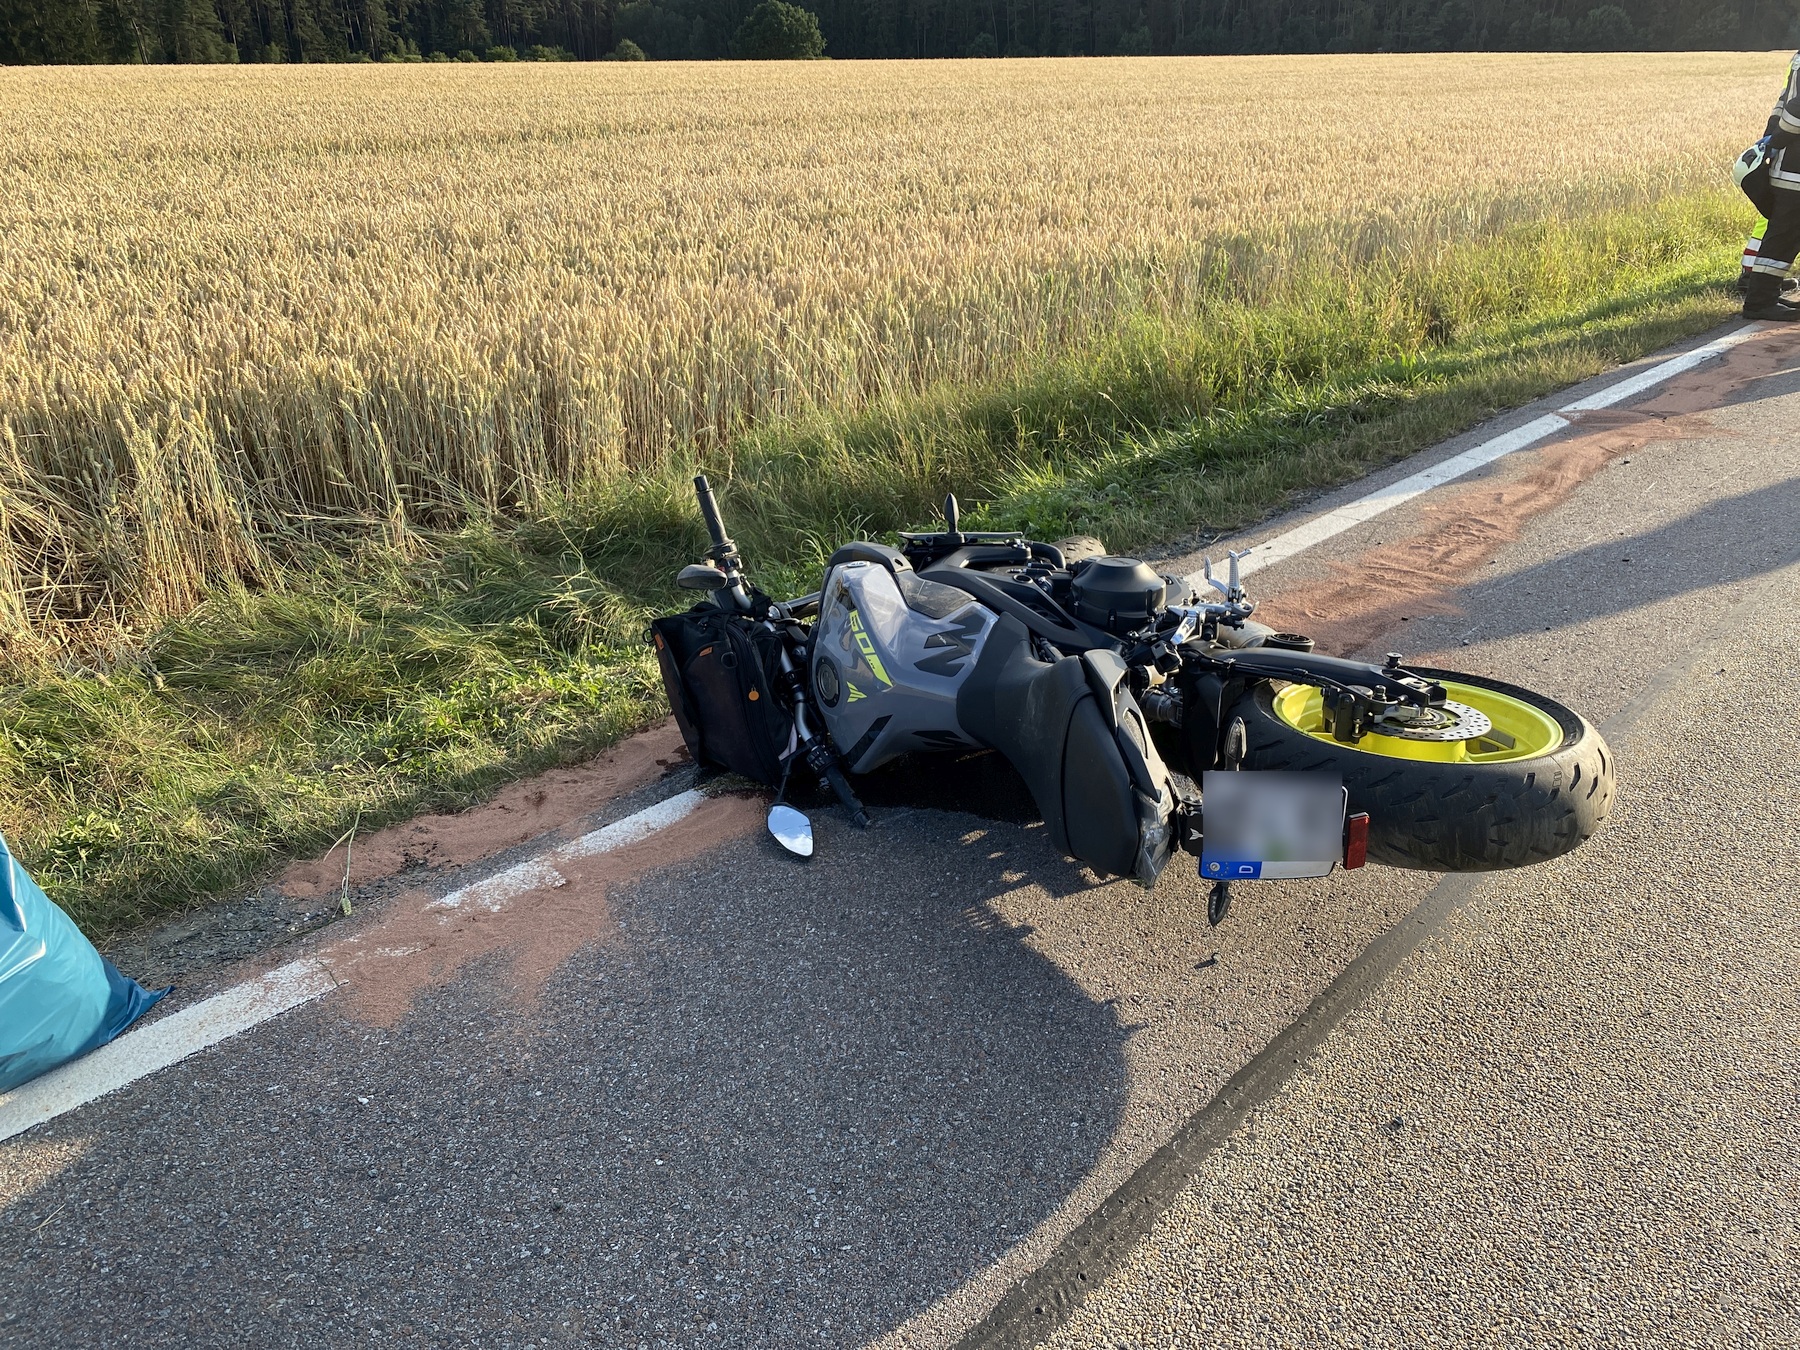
(1753, 245)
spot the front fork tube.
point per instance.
(814, 745)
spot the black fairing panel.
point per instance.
(1096, 790)
(1044, 718)
(1021, 706)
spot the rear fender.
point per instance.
(1200, 739)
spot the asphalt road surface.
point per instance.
(705, 1094)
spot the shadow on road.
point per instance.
(1688, 556)
(788, 1104)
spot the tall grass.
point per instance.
(246, 313)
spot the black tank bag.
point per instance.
(719, 669)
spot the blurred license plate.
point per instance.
(1271, 826)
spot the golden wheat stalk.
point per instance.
(234, 301)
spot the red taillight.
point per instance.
(1356, 840)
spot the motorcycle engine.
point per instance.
(1119, 595)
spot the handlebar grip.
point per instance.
(709, 509)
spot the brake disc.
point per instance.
(1451, 722)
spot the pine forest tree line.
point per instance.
(67, 31)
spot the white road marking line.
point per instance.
(171, 1039)
(164, 1042)
(1335, 522)
(175, 1037)
(534, 874)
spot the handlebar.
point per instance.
(804, 607)
(709, 509)
(734, 594)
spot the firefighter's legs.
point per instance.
(1762, 299)
(1781, 239)
(1775, 257)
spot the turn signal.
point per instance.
(1356, 840)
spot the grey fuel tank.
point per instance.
(890, 651)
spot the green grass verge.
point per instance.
(392, 678)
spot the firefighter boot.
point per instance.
(1789, 286)
(1762, 299)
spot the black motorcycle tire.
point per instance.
(1443, 817)
(1079, 547)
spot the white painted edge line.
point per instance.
(494, 893)
(171, 1039)
(162, 1043)
(1335, 522)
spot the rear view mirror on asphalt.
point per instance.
(792, 830)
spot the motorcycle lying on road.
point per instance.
(1144, 719)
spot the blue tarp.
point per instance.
(59, 998)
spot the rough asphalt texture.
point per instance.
(849, 1101)
(1571, 1120)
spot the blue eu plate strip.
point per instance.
(1228, 869)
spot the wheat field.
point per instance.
(244, 306)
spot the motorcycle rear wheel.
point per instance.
(1535, 788)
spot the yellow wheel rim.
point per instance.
(1520, 730)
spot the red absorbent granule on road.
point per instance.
(418, 945)
(1361, 602)
(524, 810)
